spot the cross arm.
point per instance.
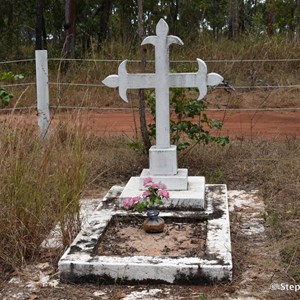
(129, 81)
(198, 80)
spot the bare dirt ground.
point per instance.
(124, 237)
(245, 124)
(254, 114)
(236, 124)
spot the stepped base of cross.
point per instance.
(185, 191)
(191, 198)
(177, 182)
(163, 168)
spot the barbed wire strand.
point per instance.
(296, 86)
(136, 109)
(151, 61)
(16, 61)
(19, 108)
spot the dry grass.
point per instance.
(112, 161)
(41, 183)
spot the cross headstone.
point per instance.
(163, 156)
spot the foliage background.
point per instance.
(94, 23)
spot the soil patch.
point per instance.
(125, 236)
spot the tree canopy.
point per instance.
(92, 23)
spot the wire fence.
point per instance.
(241, 87)
(100, 85)
(152, 61)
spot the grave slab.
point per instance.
(191, 198)
(81, 264)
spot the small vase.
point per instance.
(154, 223)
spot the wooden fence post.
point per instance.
(42, 91)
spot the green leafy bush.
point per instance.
(190, 123)
(6, 96)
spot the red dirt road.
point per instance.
(245, 124)
(237, 124)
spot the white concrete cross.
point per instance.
(163, 159)
(162, 80)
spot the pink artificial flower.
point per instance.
(146, 194)
(131, 201)
(148, 181)
(164, 193)
(135, 200)
(127, 203)
(154, 186)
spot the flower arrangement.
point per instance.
(152, 197)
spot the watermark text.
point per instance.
(285, 287)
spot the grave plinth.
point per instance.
(191, 198)
(163, 161)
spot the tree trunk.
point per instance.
(125, 21)
(40, 31)
(104, 13)
(236, 18)
(173, 16)
(69, 27)
(242, 17)
(10, 16)
(142, 106)
(233, 25)
(85, 37)
(2, 23)
(297, 13)
(292, 20)
(271, 17)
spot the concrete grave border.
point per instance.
(80, 264)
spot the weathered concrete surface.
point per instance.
(79, 264)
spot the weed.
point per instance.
(272, 219)
(217, 176)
